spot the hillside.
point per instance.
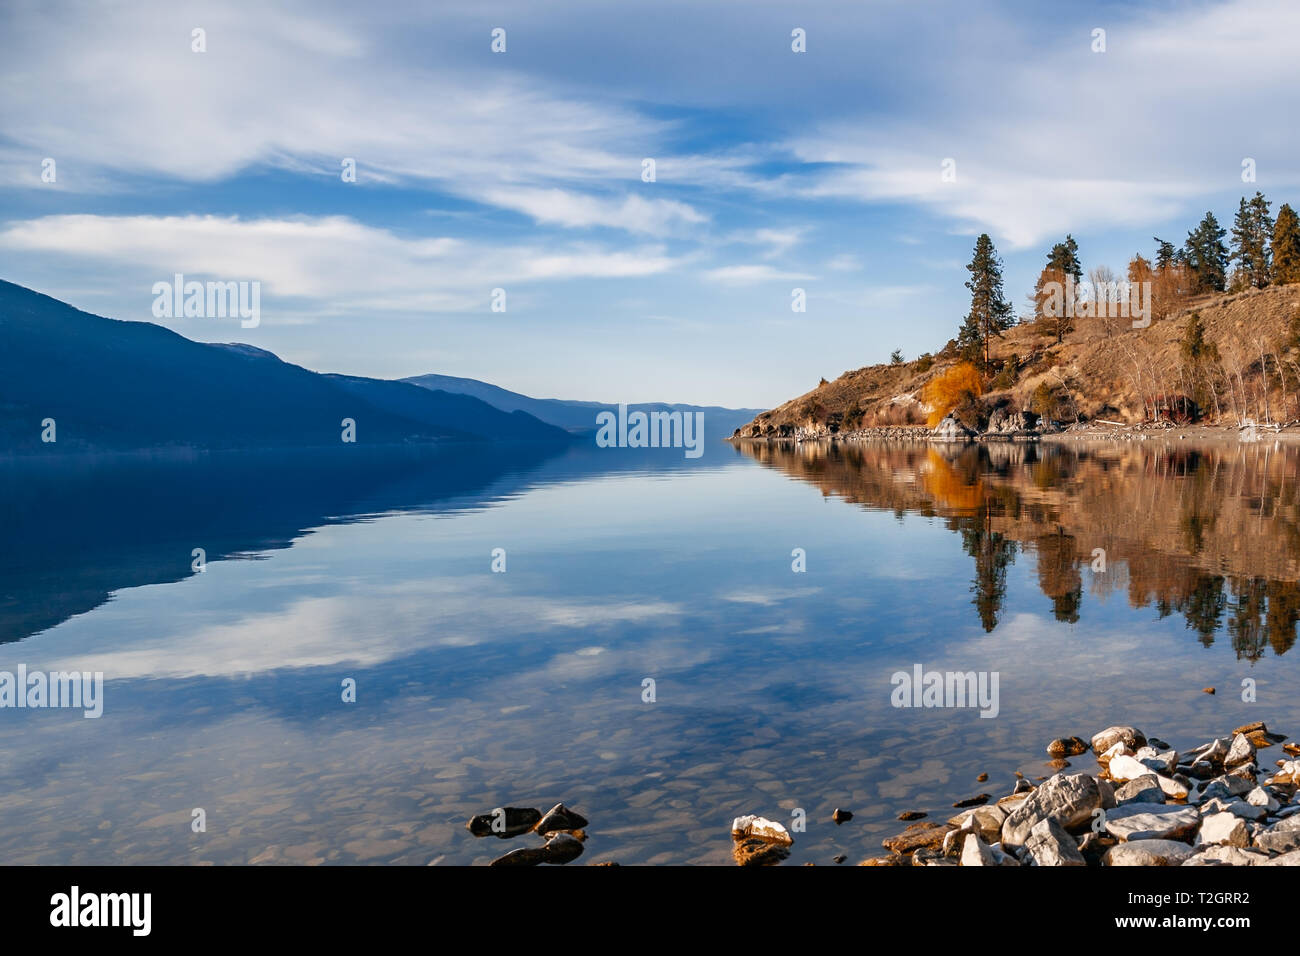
(116, 385)
(578, 416)
(1103, 369)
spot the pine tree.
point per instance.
(1206, 255)
(990, 313)
(1064, 258)
(1166, 254)
(1286, 246)
(1251, 231)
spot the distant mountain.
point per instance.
(110, 384)
(580, 416)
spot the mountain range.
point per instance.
(96, 383)
(580, 417)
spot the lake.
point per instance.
(772, 688)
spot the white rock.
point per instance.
(975, 852)
(1227, 856)
(1147, 853)
(1050, 845)
(1172, 787)
(1259, 797)
(1130, 736)
(1226, 829)
(1151, 821)
(1124, 768)
(761, 828)
(1286, 859)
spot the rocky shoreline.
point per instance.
(950, 430)
(1147, 805)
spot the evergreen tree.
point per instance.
(1206, 255)
(990, 313)
(1166, 254)
(1064, 258)
(1251, 231)
(1286, 246)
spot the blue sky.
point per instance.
(522, 170)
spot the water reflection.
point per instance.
(1211, 534)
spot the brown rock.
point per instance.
(917, 836)
(841, 816)
(752, 851)
(1207, 690)
(911, 815)
(1067, 747)
(978, 800)
(981, 778)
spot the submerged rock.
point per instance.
(752, 851)
(975, 801)
(917, 836)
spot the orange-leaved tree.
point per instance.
(961, 385)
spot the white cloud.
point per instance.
(656, 217)
(751, 273)
(335, 261)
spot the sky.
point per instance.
(522, 170)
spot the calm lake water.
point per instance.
(478, 689)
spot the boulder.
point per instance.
(1069, 799)
(1130, 737)
(1291, 858)
(1147, 821)
(949, 429)
(1124, 768)
(1148, 853)
(1143, 789)
(1050, 845)
(985, 821)
(1241, 752)
(1227, 856)
(1226, 829)
(1281, 837)
(975, 852)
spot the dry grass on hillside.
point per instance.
(1104, 368)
